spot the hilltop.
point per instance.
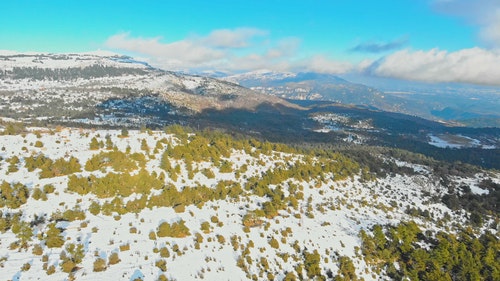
(178, 205)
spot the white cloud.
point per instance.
(226, 50)
(232, 51)
(475, 65)
(323, 64)
(232, 38)
(196, 52)
(184, 53)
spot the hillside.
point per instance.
(110, 90)
(321, 87)
(87, 204)
(89, 87)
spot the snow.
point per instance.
(263, 74)
(341, 209)
(462, 142)
(438, 142)
(52, 61)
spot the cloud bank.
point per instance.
(232, 50)
(248, 49)
(475, 65)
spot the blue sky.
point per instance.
(456, 39)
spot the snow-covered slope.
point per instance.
(75, 84)
(61, 61)
(326, 217)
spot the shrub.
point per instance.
(113, 258)
(72, 215)
(124, 132)
(48, 188)
(37, 250)
(176, 230)
(164, 252)
(124, 248)
(226, 167)
(274, 243)
(13, 195)
(205, 227)
(94, 208)
(251, 220)
(54, 238)
(51, 270)
(180, 208)
(99, 265)
(38, 194)
(221, 239)
(161, 264)
(13, 162)
(68, 266)
(26, 267)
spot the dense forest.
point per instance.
(68, 74)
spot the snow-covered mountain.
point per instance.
(466, 104)
(259, 77)
(309, 86)
(74, 85)
(81, 204)
(11, 60)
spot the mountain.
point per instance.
(472, 105)
(93, 204)
(111, 169)
(76, 85)
(103, 89)
(316, 86)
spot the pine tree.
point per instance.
(109, 142)
(54, 238)
(144, 145)
(94, 144)
(124, 132)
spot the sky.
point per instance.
(422, 40)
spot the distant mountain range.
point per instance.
(471, 105)
(307, 86)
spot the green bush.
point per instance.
(113, 258)
(38, 144)
(99, 265)
(176, 230)
(13, 195)
(53, 237)
(274, 243)
(162, 265)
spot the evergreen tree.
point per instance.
(124, 132)
(53, 238)
(94, 144)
